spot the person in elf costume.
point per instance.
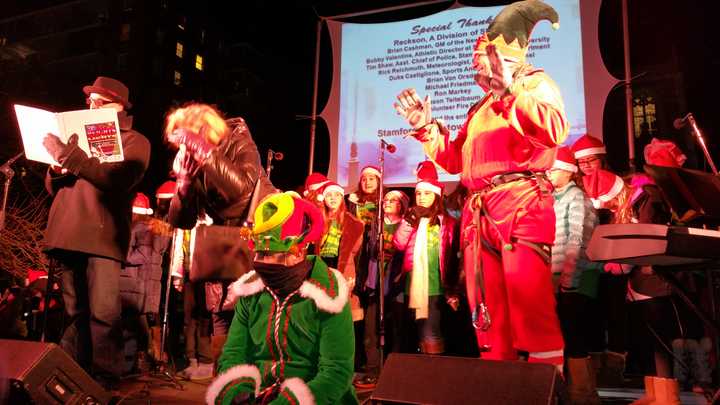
(501, 153)
(291, 340)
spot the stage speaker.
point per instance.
(42, 373)
(439, 380)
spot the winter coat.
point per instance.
(404, 239)
(307, 346)
(92, 205)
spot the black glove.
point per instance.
(185, 168)
(195, 143)
(413, 215)
(57, 149)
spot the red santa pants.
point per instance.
(518, 284)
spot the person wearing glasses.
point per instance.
(88, 233)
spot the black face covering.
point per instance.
(282, 279)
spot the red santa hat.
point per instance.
(602, 186)
(331, 186)
(588, 145)
(141, 205)
(313, 182)
(166, 190)
(664, 153)
(427, 177)
(564, 160)
(374, 170)
(404, 200)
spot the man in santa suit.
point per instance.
(508, 222)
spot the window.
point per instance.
(179, 49)
(178, 78)
(125, 32)
(644, 115)
(198, 62)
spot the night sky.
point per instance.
(284, 67)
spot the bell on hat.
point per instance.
(564, 160)
(602, 186)
(510, 30)
(427, 178)
(588, 145)
(281, 224)
(664, 153)
(374, 170)
(314, 182)
(141, 205)
(166, 190)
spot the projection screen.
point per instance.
(374, 62)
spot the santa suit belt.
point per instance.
(481, 315)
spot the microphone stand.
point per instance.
(701, 141)
(380, 226)
(6, 170)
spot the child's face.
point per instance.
(559, 177)
(392, 206)
(333, 200)
(424, 198)
(368, 183)
(589, 164)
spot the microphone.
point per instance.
(681, 122)
(389, 147)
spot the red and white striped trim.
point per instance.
(562, 165)
(614, 191)
(590, 151)
(142, 211)
(371, 170)
(425, 186)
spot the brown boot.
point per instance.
(649, 397)
(612, 373)
(582, 389)
(667, 391)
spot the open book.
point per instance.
(98, 132)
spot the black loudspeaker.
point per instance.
(42, 373)
(439, 380)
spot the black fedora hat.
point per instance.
(110, 88)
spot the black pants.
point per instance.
(91, 292)
(577, 323)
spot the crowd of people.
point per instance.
(495, 269)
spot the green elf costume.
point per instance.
(291, 340)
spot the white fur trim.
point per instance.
(164, 195)
(322, 300)
(568, 167)
(424, 185)
(142, 211)
(590, 151)
(301, 391)
(316, 186)
(615, 190)
(243, 288)
(331, 188)
(231, 374)
(370, 170)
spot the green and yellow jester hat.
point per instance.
(510, 30)
(284, 223)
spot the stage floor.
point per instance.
(158, 390)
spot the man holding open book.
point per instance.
(88, 232)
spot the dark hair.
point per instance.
(437, 208)
(365, 197)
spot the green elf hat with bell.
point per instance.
(510, 30)
(285, 223)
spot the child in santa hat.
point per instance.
(427, 236)
(589, 152)
(577, 277)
